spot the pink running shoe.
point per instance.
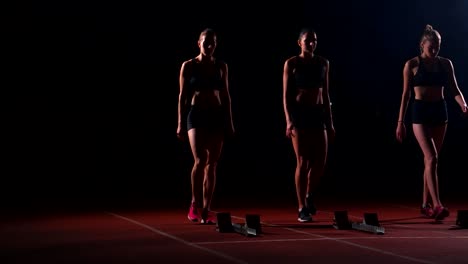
(193, 213)
(440, 213)
(207, 217)
(427, 211)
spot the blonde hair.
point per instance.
(429, 34)
(207, 32)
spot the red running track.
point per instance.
(166, 236)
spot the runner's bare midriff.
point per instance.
(206, 99)
(309, 96)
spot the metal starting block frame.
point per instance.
(369, 228)
(370, 223)
(244, 230)
(252, 226)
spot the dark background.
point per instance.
(91, 94)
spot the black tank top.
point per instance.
(429, 78)
(203, 78)
(309, 74)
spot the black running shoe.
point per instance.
(304, 215)
(310, 205)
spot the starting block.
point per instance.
(462, 219)
(341, 221)
(252, 226)
(253, 221)
(370, 223)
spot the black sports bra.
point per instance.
(309, 74)
(429, 78)
(205, 78)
